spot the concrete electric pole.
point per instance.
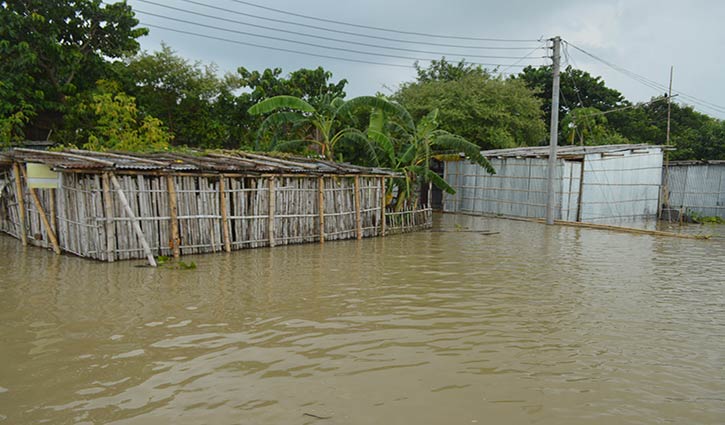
(554, 133)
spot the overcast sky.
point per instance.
(644, 37)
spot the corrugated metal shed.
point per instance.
(594, 183)
(696, 187)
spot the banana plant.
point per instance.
(408, 148)
(321, 127)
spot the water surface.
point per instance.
(520, 324)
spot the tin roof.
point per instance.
(218, 162)
(566, 151)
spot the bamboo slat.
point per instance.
(21, 203)
(223, 209)
(136, 226)
(110, 225)
(270, 223)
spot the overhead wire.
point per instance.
(340, 49)
(280, 49)
(356, 34)
(332, 38)
(651, 83)
(421, 34)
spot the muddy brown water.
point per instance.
(533, 324)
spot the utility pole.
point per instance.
(669, 106)
(554, 133)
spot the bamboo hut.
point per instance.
(119, 206)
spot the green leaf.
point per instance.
(280, 102)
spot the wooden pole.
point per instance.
(270, 221)
(110, 225)
(43, 216)
(223, 208)
(174, 214)
(358, 222)
(383, 200)
(321, 206)
(53, 212)
(21, 203)
(134, 220)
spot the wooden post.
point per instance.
(383, 200)
(321, 206)
(110, 225)
(43, 216)
(223, 208)
(21, 203)
(270, 224)
(53, 212)
(134, 220)
(358, 222)
(173, 213)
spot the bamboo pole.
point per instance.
(223, 208)
(174, 215)
(358, 221)
(383, 199)
(43, 216)
(134, 220)
(53, 212)
(270, 223)
(110, 225)
(21, 203)
(321, 206)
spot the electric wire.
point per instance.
(334, 39)
(651, 83)
(421, 34)
(370, 36)
(341, 49)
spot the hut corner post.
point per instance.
(41, 212)
(223, 208)
(21, 203)
(270, 224)
(358, 221)
(174, 216)
(110, 225)
(383, 198)
(321, 206)
(134, 220)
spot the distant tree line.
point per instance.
(72, 72)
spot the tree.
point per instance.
(578, 89)
(182, 94)
(404, 146)
(319, 126)
(442, 70)
(588, 126)
(489, 111)
(51, 49)
(110, 120)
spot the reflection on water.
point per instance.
(533, 324)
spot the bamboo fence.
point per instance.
(110, 214)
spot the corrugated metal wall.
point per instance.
(698, 188)
(621, 186)
(518, 188)
(616, 187)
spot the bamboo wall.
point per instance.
(88, 216)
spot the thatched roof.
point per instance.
(237, 162)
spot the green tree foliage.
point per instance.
(113, 122)
(322, 127)
(489, 111)
(588, 126)
(182, 94)
(401, 144)
(52, 49)
(579, 89)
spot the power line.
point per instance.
(330, 38)
(280, 49)
(370, 36)
(341, 49)
(652, 84)
(332, 21)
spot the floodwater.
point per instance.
(532, 324)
